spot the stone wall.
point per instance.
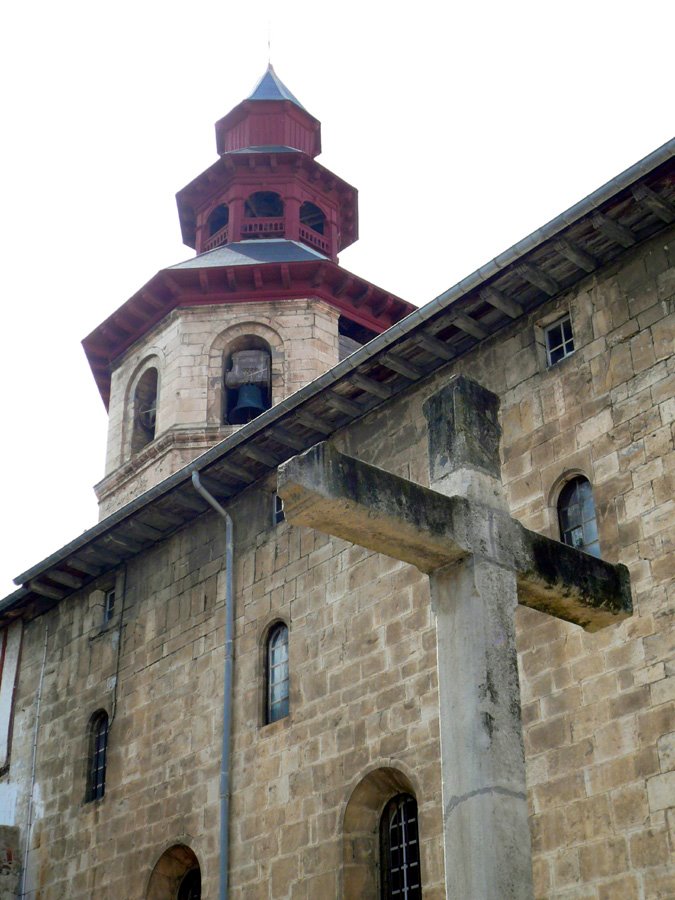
(363, 698)
(188, 349)
(598, 709)
(10, 868)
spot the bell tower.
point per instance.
(262, 309)
(267, 183)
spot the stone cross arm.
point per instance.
(340, 495)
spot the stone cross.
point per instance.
(481, 563)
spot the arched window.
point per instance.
(576, 515)
(176, 876)
(264, 204)
(263, 216)
(312, 217)
(218, 218)
(98, 748)
(399, 850)
(248, 371)
(144, 410)
(276, 704)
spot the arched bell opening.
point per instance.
(313, 217)
(144, 410)
(177, 876)
(247, 376)
(218, 219)
(263, 216)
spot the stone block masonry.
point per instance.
(598, 710)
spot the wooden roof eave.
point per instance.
(187, 287)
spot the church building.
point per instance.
(380, 603)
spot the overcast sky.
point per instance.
(463, 126)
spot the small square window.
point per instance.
(559, 341)
(108, 605)
(278, 510)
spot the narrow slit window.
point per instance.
(97, 755)
(108, 605)
(399, 850)
(277, 674)
(559, 341)
(576, 515)
(278, 514)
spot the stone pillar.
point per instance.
(486, 829)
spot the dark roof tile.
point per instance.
(248, 253)
(271, 87)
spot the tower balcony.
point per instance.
(217, 239)
(263, 227)
(314, 239)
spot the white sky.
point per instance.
(517, 109)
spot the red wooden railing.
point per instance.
(314, 238)
(262, 225)
(217, 239)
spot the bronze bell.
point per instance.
(250, 404)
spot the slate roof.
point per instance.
(264, 148)
(246, 253)
(271, 87)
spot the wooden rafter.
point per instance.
(536, 276)
(371, 386)
(663, 209)
(502, 302)
(576, 254)
(613, 230)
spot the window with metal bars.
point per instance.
(399, 850)
(98, 737)
(191, 886)
(576, 515)
(277, 673)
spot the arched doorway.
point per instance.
(176, 876)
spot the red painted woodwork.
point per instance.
(257, 123)
(356, 299)
(266, 145)
(269, 145)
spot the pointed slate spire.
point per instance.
(271, 87)
(269, 117)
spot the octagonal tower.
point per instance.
(262, 309)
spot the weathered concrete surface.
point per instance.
(339, 495)
(486, 832)
(463, 420)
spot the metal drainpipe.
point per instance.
(227, 687)
(29, 826)
(113, 710)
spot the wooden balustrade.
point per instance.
(216, 240)
(263, 225)
(314, 238)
